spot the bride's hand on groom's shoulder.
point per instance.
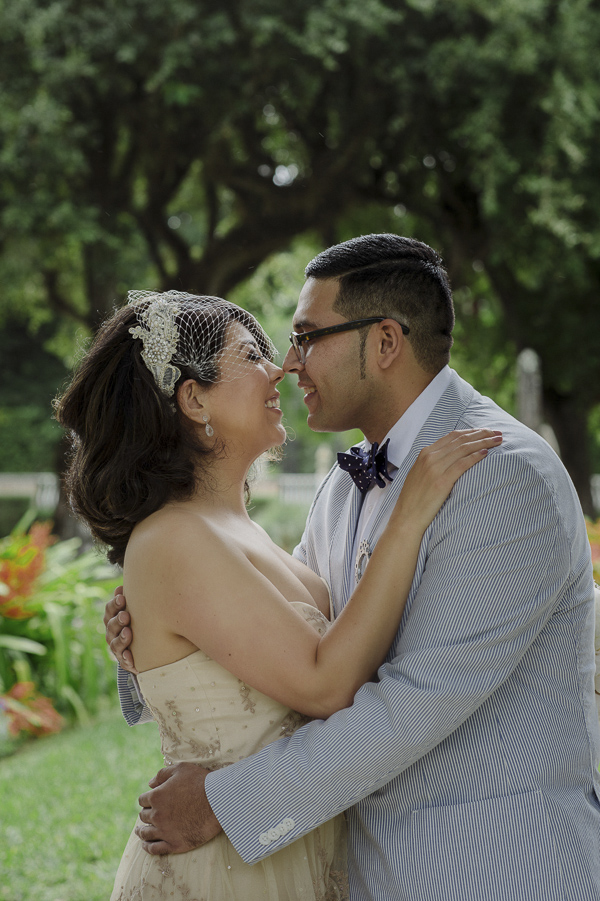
(176, 814)
(436, 470)
(118, 633)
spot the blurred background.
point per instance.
(216, 147)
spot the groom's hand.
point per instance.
(176, 814)
(118, 632)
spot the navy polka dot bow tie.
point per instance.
(367, 468)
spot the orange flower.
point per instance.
(29, 711)
(22, 560)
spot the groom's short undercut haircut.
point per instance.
(399, 278)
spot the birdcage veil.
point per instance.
(187, 330)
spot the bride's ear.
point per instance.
(190, 400)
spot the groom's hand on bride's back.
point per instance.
(118, 633)
(176, 816)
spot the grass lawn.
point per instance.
(67, 805)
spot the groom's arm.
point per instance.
(498, 558)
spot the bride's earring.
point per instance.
(209, 429)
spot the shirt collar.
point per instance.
(404, 432)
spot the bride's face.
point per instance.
(244, 404)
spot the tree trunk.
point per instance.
(569, 421)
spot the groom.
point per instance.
(470, 769)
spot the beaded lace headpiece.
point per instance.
(178, 329)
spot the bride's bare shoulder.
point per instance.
(174, 531)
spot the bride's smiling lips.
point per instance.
(273, 402)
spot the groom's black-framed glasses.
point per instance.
(299, 340)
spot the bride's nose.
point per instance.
(277, 373)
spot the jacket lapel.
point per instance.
(443, 419)
(341, 564)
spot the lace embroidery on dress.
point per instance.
(172, 739)
(249, 704)
(314, 616)
(292, 722)
(166, 732)
(175, 712)
(202, 750)
(166, 889)
(336, 886)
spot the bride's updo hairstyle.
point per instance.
(132, 449)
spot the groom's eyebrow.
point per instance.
(305, 325)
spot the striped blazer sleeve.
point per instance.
(493, 566)
(132, 703)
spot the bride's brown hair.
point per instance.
(132, 449)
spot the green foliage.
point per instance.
(79, 791)
(29, 378)
(28, 439)
(481, 352)
(180, 145)
(284, 523)
(51, 623)
(12, 511)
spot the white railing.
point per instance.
(41, 488)
(289, 488)
(596, 491)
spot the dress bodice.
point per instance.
(209, 716)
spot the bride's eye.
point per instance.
(255, 357)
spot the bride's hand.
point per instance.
(437, 468)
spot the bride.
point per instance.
(233, 644)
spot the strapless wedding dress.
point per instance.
(207, 715)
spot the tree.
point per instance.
(181, 144)
(30, 377)
(513, 118)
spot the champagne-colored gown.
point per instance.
(207, 715)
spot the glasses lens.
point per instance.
(299, 350)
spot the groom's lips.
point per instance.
(309, 391)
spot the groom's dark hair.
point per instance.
(399, 278)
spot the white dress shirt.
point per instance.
(402, 436)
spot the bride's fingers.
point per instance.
(472, 446)
(461, 437)
(438, 467)
(460, 443)
(474, 441)
(465, 455)
(457, 445)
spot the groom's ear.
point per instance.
(390, 342)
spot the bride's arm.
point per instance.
(237, 617)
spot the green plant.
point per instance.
(284, 522)
(51, 635)
(26, 711)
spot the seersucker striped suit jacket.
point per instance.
(470, 769)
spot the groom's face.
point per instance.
(334, 393)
